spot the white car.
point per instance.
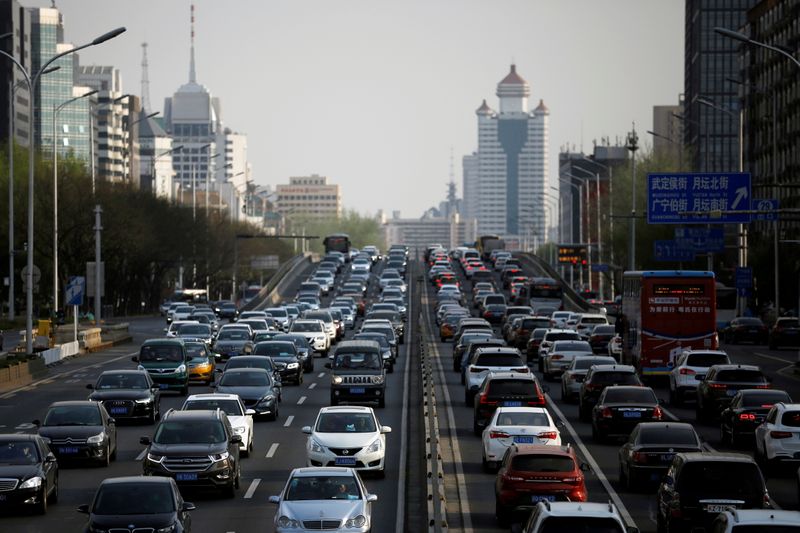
(314, 331)
(348, 436)
(241, 419)
(688, 365)
(280, 315)
(778, 437)
(562, 516)
(615, 348)
(491, 359)
(587, 322)
(517, 425)
(559, 319)
(733, 520)
(361, 265)
(572, 321)
(172, 330)
(552, 336)
(182, 312)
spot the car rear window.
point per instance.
(582, 346)
(533, 323)
(580, 524)
(739, 375)
(585, 363)
(499, 360)
(764, 398)
(614, 376)
(562, 337)
(788, 323)
(791, 419)
(705, 360)
(630, 395)
(593, 320)
(522, 419)
(543, 463)
(667, 435)
(511, 387)
(604, 330)
(714, 479)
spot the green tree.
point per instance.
(362, 229)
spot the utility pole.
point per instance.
(632, 146)
(98, 271)
(11, 198)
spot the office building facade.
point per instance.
(16, 20)
(309, 196)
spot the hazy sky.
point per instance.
(374, 93)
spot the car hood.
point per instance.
(173, 450)
(132, 521)
(119, 394)
(229, 344)
(246, 393)
(76, 432)
(237, 421)
(148, 365)
(20, 471)
(345, 440)
(322, 509)
(291, 359)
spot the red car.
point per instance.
(532, 473)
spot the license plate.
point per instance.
(186, 476)
(667, 457)
(717, 508)
(631, 414)
(357, 390)
(163, 386)
(523, 440)
(67, 450)
(539, 498)
(512, 404)
(731, 392)
(119, 410)
(347, 461)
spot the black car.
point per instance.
(80, 430)
(256, 361)
(745, 329)
(127, 394)
(504, 389)
(228, 310)
(597, 379)
(393, 317)
(283, 352)
(698, 486)
(747, 410)
(28, 473)
(785, 332)
(304, 350)
(254, 386)
(231, 342)
(138, 503)
(620, 408)
(198, 449)
(649, 451)
(599, 338)
(720, 384)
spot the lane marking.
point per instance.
(672, 416)
(288, 422)
(272, 449)
(251, 489)
(72, 380)
(141, 455)
(301, 400)
(774, 358)
(312, 386)
(399, 524)
(321, 375)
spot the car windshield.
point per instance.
(582, 524)
(750, 321)
(358, 361)
(746, 376)
(593, 320)
(604, 330)
(189, 432)
(196, 352)
(233, 335)
(275, 349)
(630, 395)
(18, 453)
(377, 337)
(678, 436)
(788, 323)
(705, 360)
(229, 407)
(720, 479)
(244, 379)
(161, 352)
(250, 362)
(584, 363)
(201, 330)
(323, 488)
(345, 423)
(134, 499)
(278, 313)
(256, 324)
(566, 336)
(306, 327)
(298, 340)
(532, 323)
(764, 398)
(522, 419)
(121, 381)
(511, 387)
(73, 415)
(613, 377)
(566, 346)
(543, 463)
(386, 331)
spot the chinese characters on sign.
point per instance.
(710, 197)
(572, 253)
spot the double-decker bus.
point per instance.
(487, 243)
(663, 313)
(338, 242)
(545, 292)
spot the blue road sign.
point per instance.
(75, 289)
(765, 204)
(714, 196)
(744, 278)
(700, 239)
(599, 267)
(670, 251)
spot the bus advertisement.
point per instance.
(545, 292)
(338, 242)
(663, 313)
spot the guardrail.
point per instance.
(54, 355)
(277, 277)
(569, 293)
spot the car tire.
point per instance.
(184, 390)
(334, 402)
(299, 379)
(41, 507)
(381, 402)
(456, 365)
(467, 398)
(541, 365)
(622, 478)
(54, 494)
(723, 435)
(501, 513)
(476, 429)
(380, 474)
(390, 370)
(113, 456)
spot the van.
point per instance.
(166, 362)
(358, 373)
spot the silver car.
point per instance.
(329, 498)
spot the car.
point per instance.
(534, 341)
(283, 352)
(560, 355)
(471, 324)
(487, 360)
(231, 342)
(449, 323)
(587, 322)
(394, 320)
(80, 430)
(575, 373)
(472, 349)
(202, 364)
(138, 503)
(197, 331)
(387, 352)
(700, 485)
(504, 389)
(745, 329)
(747, 411)
(494, 313)
(175, 326)
(520, 332)
(615, 347)
(597, 379)
(255, 386)
(198, 449)
(649, 450)
(620, 408)
(228, 310)
(688, 365)
(762, 520)
(304, 350)
(516, 488)
(327, 320)
(323, 498)
(516, 425)
(28, 473)
(256, 361)
(239, 416)
(559, 319)
(358, 373)
(785, 332)
(314, 331)
(281, 316)
(127, 394)
(778, 438)
(554, 517)
(260, 325)
(348, 436)
(552, 336)
(166, 360)
(720, 384)
(463, 345)
(600, 337)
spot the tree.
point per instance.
(363, 230)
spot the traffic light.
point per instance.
(583, 262)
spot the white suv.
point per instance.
(241, 419)
(689, 364)
(734, 520)
(314, 332)
(778, 438)
(587, 322)
(487, 360)
(576, 516)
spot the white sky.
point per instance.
(374, 93)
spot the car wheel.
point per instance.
(114, 453)
(380, 474)
(623, 479)
(391, 369)
(456, 365)
(184, 390)
(106, 460)
(467, 398)
(41, 508)
(274, 415)
(476, 429)
(333, 401)
(501, 513)
(381, 403)
(723, 435)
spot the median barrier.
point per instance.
(90, 338)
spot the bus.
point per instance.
(545, 292)
(726, 305)
(487, 243)
(338, 242)
(663, 313)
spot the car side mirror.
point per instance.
(154, 387)
(188, 506)
(90, 386)
(84, 508)
(144, 440)
(274, 499)
(327, 365)
(111, 421)
(135, 358)
(236, 439)
(386, 429)
(699, 377)
(585, 467)
(372, 498)
(250, 412)
(50, 458)
(306, 430)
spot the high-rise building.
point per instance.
(156, 172)
(512, 169)
(469, 167)
(232, 170)
(15, 19)
(710, 59)
(668, 141)
(309, 196)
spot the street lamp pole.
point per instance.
(153, 164)
(632, 145)
(610, 196)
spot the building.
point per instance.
(309, 196)
(668, 129)
(232, 170)
(16, 20)
(469, 167)
(710, 61)
(507, 193)
(418, 233)
(155, 150)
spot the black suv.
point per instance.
(721, 383)
(138, 503)
(196, 449)
(698, 486)
(597, 379)
(358, 373)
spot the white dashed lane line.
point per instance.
(141, 455)
(301, 400)
(321, 375)
(272, 449)
(288, 422)
(251, 489)
(312, 386)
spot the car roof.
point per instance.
(155, 480)
(67, 403)
(496, 376)
(735, 366)
(309, 471)
(522, 409)
(540, 449)
(246, 370)
(692, 457)
(125, 371)
(213, 396)
(346, 409)
(199, 414)
(357, 344)
(581, 509)
(613, 368)
(770, 517)
(18, 437)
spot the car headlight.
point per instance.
(219, 456)
(286, 522)
(292, 365)
(316, 447)
(375, 446)
(319, 338)
(336, 380)
(356, 521)
(32, 483)
(144, 400)
(154, 457)
(168, 529)
(268, 398)
(181, 369)
(96, 439)
(377, 380)
(239, 430)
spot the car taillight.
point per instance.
(657, 413)
(765, 386)
(686, 372)
(556, 357)
(607, 412)
(577, 495)
(747, 416)
(547, 435)
(717, 386)
(780, 434)
(639, 457)
(522, 370)
(498, 435)
(484, 400)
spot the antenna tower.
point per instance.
(145, 80)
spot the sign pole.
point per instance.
(75, 321)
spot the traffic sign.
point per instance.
(75, 290)
(599, 267)
(670, 251)
(744, 278)
(35, 276)
(701, 239)
(571, 253)
(264, 262)
(765, 204)
(711, 198)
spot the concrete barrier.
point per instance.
(89, 338)
(62, 351)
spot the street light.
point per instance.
(56, 110)
(632, 145)
(745, 39)
(671, 141)
(610, 170)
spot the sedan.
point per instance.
(516, 425)
(127, 394)
(241, 419)
(648, 453)
(254, 386)
(560, 356)
(304, 349)
(747, 411)
(746, 329)
(231, 342)
(576, 372)
(283, 352)
(620, 408)
(324, 498)
(28, 473)
(347, 436)
(80, 430)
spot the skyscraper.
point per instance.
(15, 19)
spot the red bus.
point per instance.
(663, 313)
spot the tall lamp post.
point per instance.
(596, 176)
(632, 144)
(610, 171)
